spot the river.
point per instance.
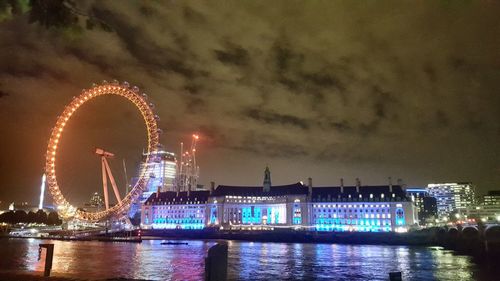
(247, 261)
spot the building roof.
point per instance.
(327, 193)
(277, 190)
(333, 193)
(182, 197)
(494, 193)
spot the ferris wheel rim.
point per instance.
(133, 95)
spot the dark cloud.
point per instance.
(277, 119)
(232, 54)
(368, 88)
(3, 94)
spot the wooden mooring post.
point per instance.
(49, 254)
(395, 276)
(216, 263)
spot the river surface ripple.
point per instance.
(247, 261)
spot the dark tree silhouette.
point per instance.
(41, 217)
(7, 217)
(53, 219)
(20, 216)
(31, 217)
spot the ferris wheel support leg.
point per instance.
(112, 180)
(105, 183)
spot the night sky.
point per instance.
(319, 89)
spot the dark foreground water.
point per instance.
(247, 261)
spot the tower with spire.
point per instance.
(267, 180)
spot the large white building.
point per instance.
(297, 206)
(452, 197)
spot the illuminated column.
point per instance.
(42, 192)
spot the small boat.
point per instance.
(120, 239)
(173, 243)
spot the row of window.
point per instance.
(352, 222)
(351, 206)
(351, 210)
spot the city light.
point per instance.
(66, 210)
(42, 192)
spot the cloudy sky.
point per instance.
(325, 89)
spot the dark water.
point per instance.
(247, 261)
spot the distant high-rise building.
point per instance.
(492, 198)
(96, 200)
(488, 209)
(95, 204)
(426, 205)
(161, 170)
(429, 210)
(452, 197)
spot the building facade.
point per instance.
(161, 172)
(293, 206)
(426, 206)
(175, 210)
(452, 197)
(488, 209)
(492, 198)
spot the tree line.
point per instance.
(20, 216)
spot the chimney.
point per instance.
(358, 184)
(189, 190)
(310, 185)
(158, 192)
(402, 184)
(341, 185)
(390, 184)
(212, 187)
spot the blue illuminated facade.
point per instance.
(175, 210)
(227, 209)
(296, 206)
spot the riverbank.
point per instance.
(417, 238)
(482, 247)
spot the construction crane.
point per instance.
(187, 170)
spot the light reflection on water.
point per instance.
(247, 261)
(275, 261)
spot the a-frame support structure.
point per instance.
(106, 172)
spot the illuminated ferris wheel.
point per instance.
(132, 94)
